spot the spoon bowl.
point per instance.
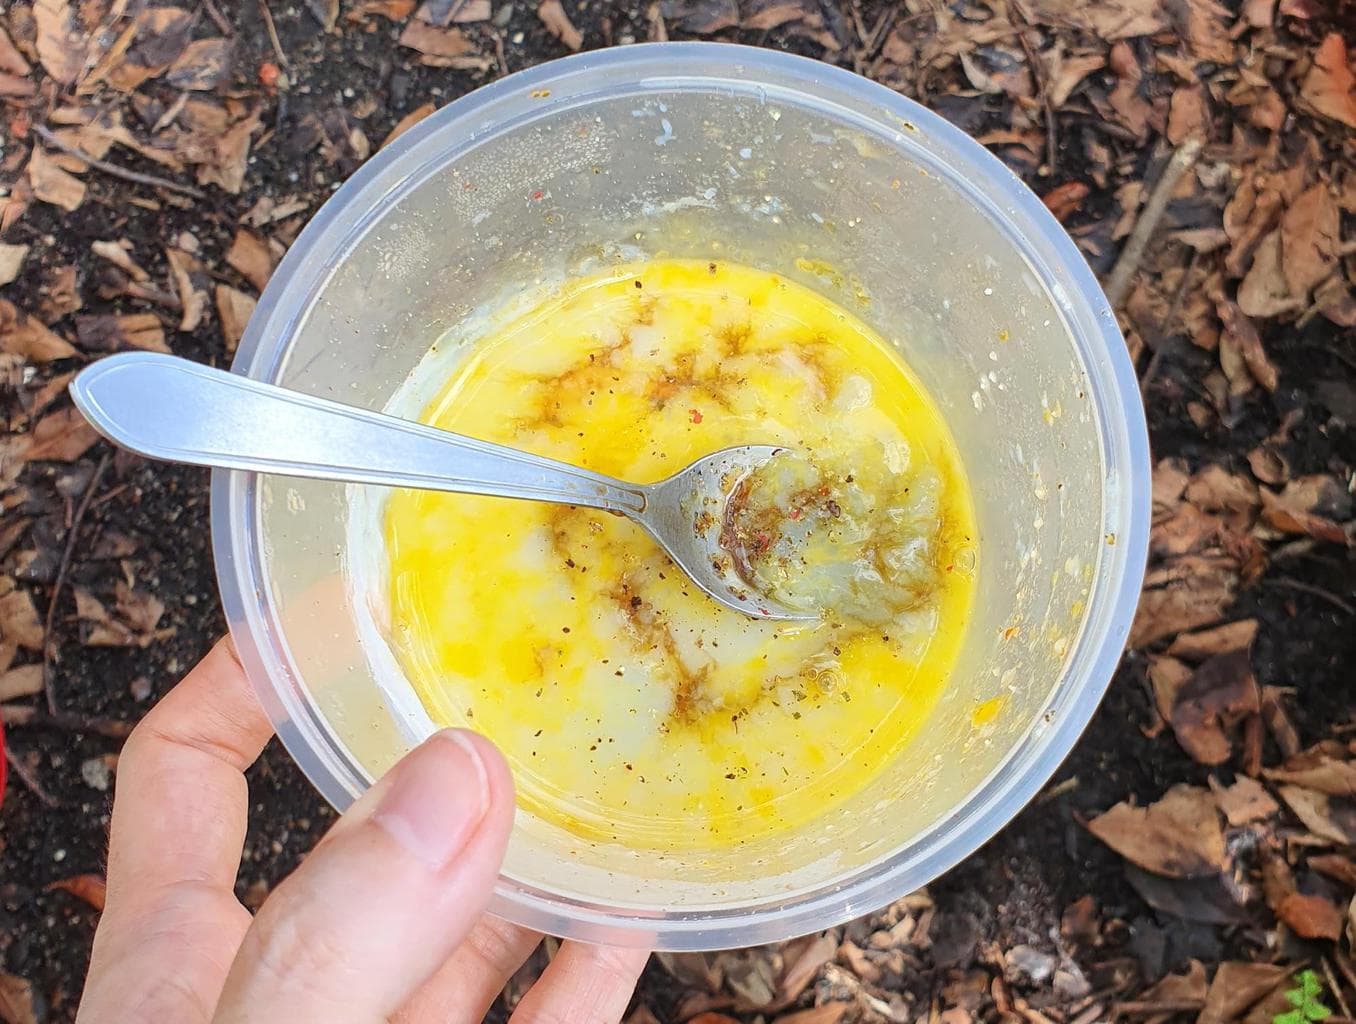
(172, 409)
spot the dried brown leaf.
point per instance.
(61, 436)
(19, 623)
(391, 10)
(11, 60)
(230, 152)
(1186, 113)
(1242, 337)
(162, 33)
(800, 972)
(1065, 200)
(1268, 464)
(1246, 800)
(1205, 26)
(11, 260)
(1335, 866)
(444, 12)
(406, 123)
(1217, 697)
(25, 336)
(1259, 13)
(206, 64)
(1188, 600)
(90, 888)
(133, 621)
(826, 1013)
(108, 332)
(1299, 508)
(1310, 917)
(326, 12)
(1169, 483)
(1309, 239)
(1329, 88)
(249, 254)
(119, 255)
(1327, 817)
(1318, 771)
(190, 284)
(61, 39)
(52, 184)
(1109, 19)
(1215, 489)
(1131, 108)
(1233, 636)
(1236, 987)
(234, 309)
(1334, 299)
(557, 22)
(18, 1004)
(1178, 837)
(1264, 291)
(442, 43)
(24, 681)
(1065, 73)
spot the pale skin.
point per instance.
(384, 922)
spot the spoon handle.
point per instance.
(169, 408)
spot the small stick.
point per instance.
(273, 39)
(71, 534)
(1161, 343)
(19, 716)
(215, 14)
(1147, 1006)
(1336, 988)
(1038, 76)
(30, 780)
(1118, 283)
(45, 133)
(1309, 588)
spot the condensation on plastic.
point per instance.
(717, 151)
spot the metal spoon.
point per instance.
(172, 409)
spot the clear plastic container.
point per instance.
(710, 150)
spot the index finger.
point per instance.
(171, 923)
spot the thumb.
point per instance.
(386, 896)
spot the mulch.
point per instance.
(1195, 859)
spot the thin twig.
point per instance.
(1143, 1006)
(1042, 87)
(1335, 987)
(215, 14)
(1165, 325)
(1118, 283)
(30, 780)
(1309, 588)
(19, 716)
(267, 15)
(155, 181)
(71, 535)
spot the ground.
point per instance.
(1237, 309)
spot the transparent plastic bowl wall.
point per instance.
(716, 151)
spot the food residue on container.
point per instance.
(633, 708)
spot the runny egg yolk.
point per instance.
(633, 708)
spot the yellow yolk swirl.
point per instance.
(631, 707)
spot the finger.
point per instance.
(376, 910)
(464, 987)
(583, 985)
(171, 923)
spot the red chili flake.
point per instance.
(694, 415)
(539, 194)
(795, 513)
(761, 541)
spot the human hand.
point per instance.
(384, 922)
